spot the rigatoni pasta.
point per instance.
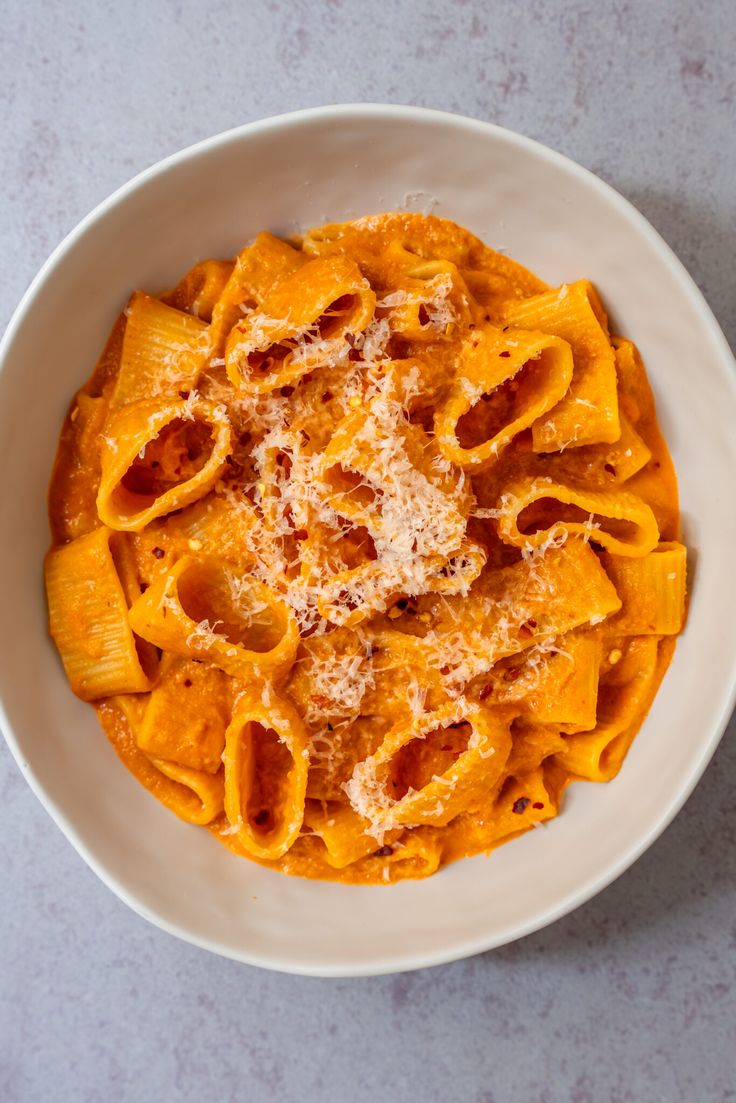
(159, 456)
(365, 545)
(88, 619)
(163, 351)
(266, 758)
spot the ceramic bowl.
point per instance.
(284, 174)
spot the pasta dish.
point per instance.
(364, 546)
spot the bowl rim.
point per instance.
(397, 962)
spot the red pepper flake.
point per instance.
(187, 682)
(286, 392)
(327, 396)
(521, 805)
(423, 315)
(505, 354)
(537, 804)
(383, 852)
(158, 552)
(485, 692)
(531, 622)
(183, 394)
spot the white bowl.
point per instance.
(294, 171)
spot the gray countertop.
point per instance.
(630, 998)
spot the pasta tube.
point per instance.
(652, 590)
(258, 269)
(588, 413)
(625, 698)
(266, 758)
(201, 288)
(502, 386)
(88, 620)
(300, 326)
(202, 609)
(158, 457)
(163, 350)
(427, 770)
(530, 513)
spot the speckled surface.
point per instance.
(632, 997)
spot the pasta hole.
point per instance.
(283, 460)
(265, 781)
(420, 760)
(352, 485)
(546, 512)
(233, 607)
(175, 456)
(333, 319)
(263, 361)
(502, 405)
(148, 656)
(356, 547)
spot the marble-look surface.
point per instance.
(632, 998)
